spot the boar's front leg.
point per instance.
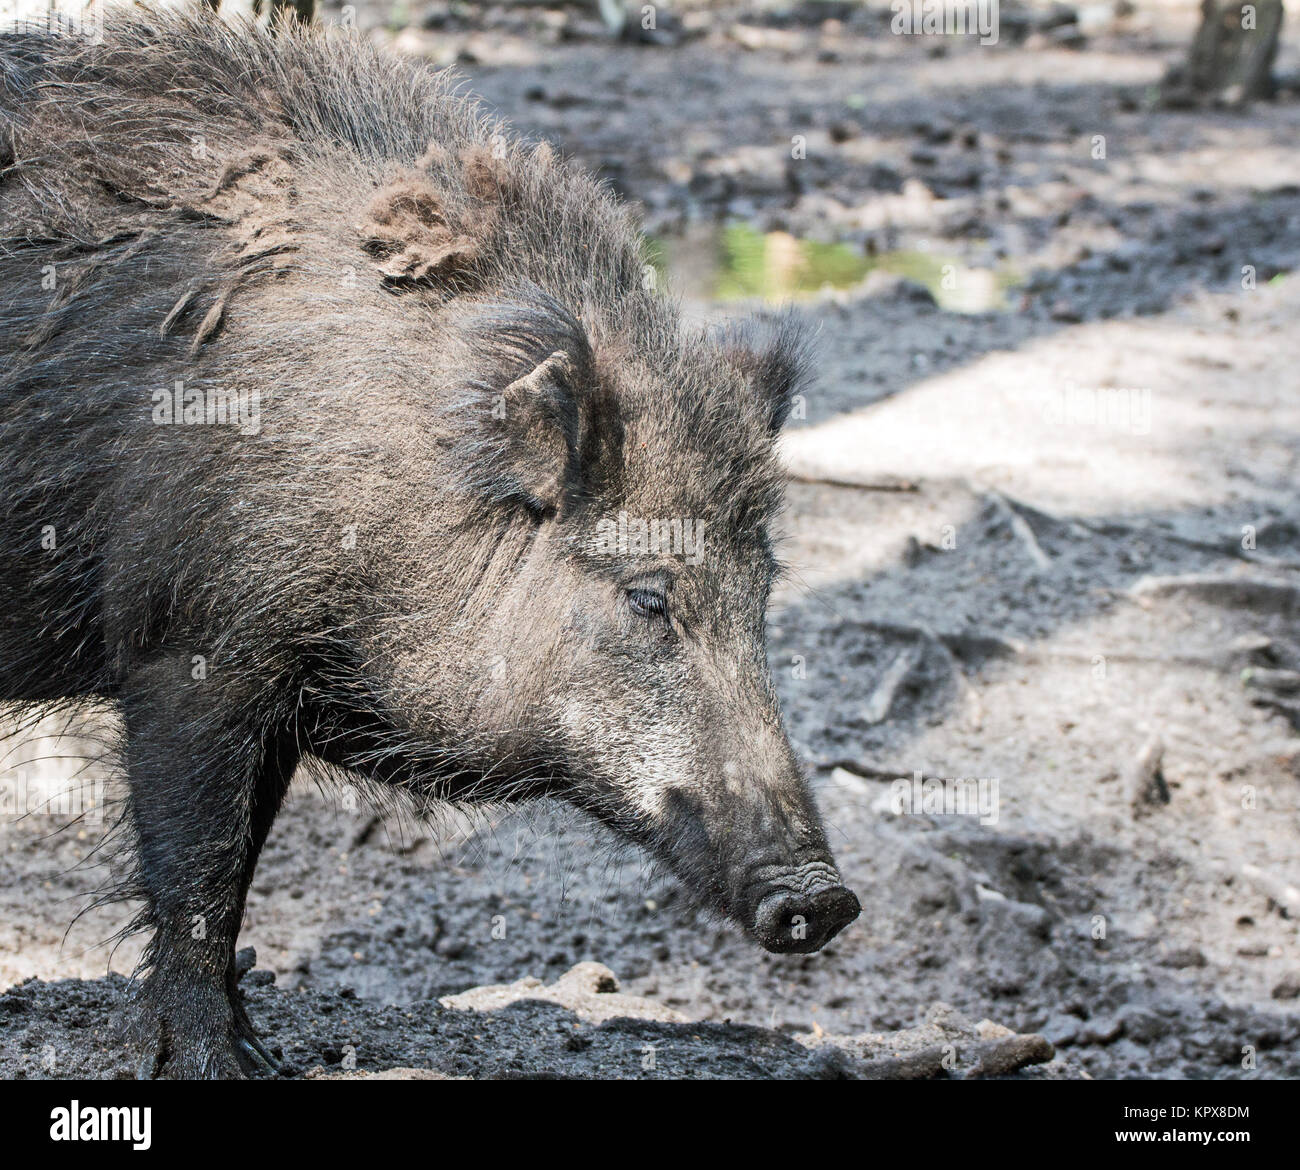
(206, 780)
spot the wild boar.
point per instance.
(335, 422)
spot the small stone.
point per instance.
(1062, 1030)
(1142, 1024)
(1101, 1031)
(1289, 988)
(1183, 957)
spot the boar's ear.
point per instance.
(541, 420)
(774, 358)
(414, 235)
(533, 380)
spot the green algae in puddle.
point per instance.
(737, 262)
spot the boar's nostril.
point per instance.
(800, 923)
(836, 908)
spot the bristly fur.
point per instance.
(462, 371)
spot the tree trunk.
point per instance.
(1231, 58)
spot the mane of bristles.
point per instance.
(111, 149)
(128, 111)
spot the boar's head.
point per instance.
(631, 493)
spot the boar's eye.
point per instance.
(647, 602)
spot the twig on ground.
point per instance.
(1284, 682)
(881, 700)
(886, 483)
(1003, 1055)
(1228, 549)
(964, 644)
(853, 770)
(1144, 781)
(1282, 894)
(1020, 528)
(1267, 595)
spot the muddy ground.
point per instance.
(1026, 544)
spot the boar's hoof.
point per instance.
(795, 923)
(233, 1059)
(253, 1055)
(229, 1051)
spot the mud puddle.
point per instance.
(726, 263)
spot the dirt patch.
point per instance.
(579, 1027)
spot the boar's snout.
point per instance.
(790, 923)
(761, 856)
(797, 910)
